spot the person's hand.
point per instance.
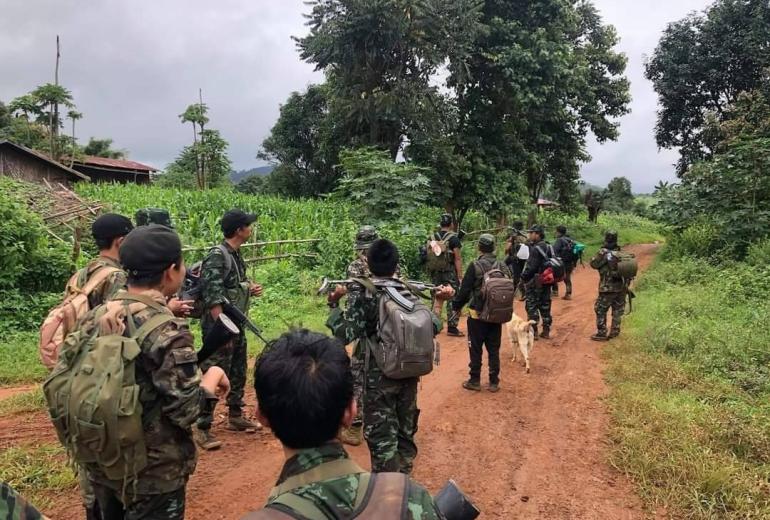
(215, 381)
(256, 290)
(180, 308)
(337, 294)
(215, 311)
(445, 292)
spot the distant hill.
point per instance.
(236, 177)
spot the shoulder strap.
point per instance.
(228, 261)
(150, 325)
(141, 298)
(540, 250)
(367, 283)
(99, 276)
(268, 513)
(326, 471)
(386, 498)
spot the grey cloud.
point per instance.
(134, 66)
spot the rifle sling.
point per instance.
(326, 471)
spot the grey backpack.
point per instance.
(405, 346)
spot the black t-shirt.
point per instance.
(453, 243)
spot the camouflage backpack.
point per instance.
(439, 258)
(623, 265)
(192, 286)
(92, 395)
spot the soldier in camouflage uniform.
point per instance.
(613, 291)
(147, 216)
(358, 268)
(170, 383)
(390, 405)
(14, 507)
(538, 296)
(108, 231)
(224, 279)
(305, 393)
(453, 273)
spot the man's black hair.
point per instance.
(382, 258)
(147, 279)
(304, 384)
(104, 243)
(561, 230)
(486, 248)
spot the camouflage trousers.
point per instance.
(606, 301)
(232, 360)
(165, 506)
(390, 421)
(447, 278)
(538, 304)
(15, 507)
(87, 494)
(357, 368)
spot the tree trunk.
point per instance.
(72, 155)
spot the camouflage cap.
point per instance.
(147, 216)
(365, 237)
(611, 234)
(537, 228)
(487, 240)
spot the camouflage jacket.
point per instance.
(336, 498)
(169, 380)
(14, 507)
(360, 319)
(607, 282)
(220, 284)
(109, 287)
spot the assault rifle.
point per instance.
(241, 320)
(389, 285)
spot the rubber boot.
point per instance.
(472, 385)
(546, 334)
(600, 336)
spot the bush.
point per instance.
(758, 253)
(21, 311)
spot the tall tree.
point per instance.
(305, 142)
(195, 114)
(619, 196)
(103, 148)
(380, 57)
(73, 115)
(50, 98)
(542, 75)
(701, 65)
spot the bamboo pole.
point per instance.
(256, 244)
(278, 257)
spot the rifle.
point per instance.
(389, 285)
(240, 319)
(220, 334)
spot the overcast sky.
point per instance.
(134, 66)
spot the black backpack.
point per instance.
(568, 255)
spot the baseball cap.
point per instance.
(487, 240)
(235, 219)
(366, 237)
(110, 226)
(536, 229)
(150, 249)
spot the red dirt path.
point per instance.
(537, 449)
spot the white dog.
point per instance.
(521, 334)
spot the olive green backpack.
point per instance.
(92, 395)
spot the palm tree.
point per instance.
(74, 116)
(196, 114)
(50, 97)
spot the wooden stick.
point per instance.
(75, 195)
(277, 257)
(257, 244)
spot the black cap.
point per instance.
(446, 220)
(150, 249)
(236, 219)
(110, 226)
(537, 229)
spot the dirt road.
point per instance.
(534, 450)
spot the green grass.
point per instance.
(689, 393)
(30, 401)
(36, 472)
(19, 359)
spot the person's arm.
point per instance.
(599, 260)
(463, 296)
(458, 263)
(175, 374)
(213, 282)
(115, 283)
(532, 267)
(352, 323)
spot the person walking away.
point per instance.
(390, 401)
(483, 330)
(538, 295)
(305, 395)
(358, 268)
(224, 279)
(613, 290)
(444, 263)
(563, 247)
(515, 242)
